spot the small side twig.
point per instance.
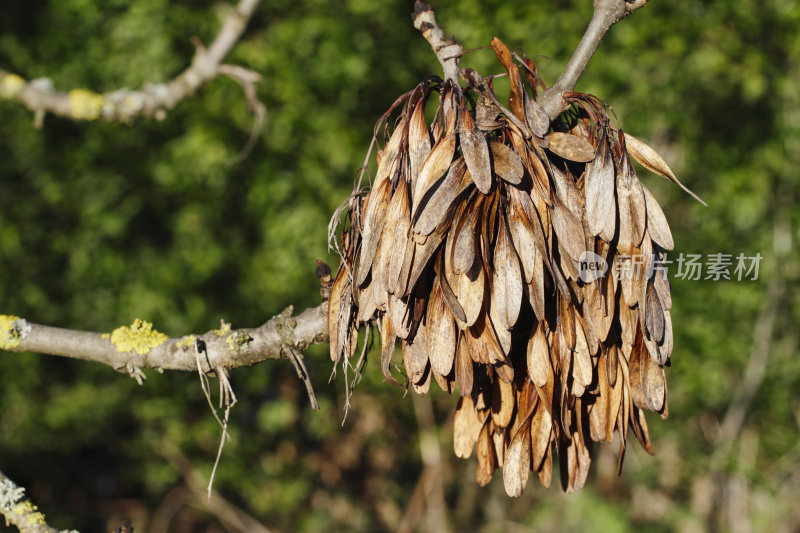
(227, 399)
(302, 372)
(286, 327)
(248, 79)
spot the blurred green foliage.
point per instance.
(102, 223)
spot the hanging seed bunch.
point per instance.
(471, 248)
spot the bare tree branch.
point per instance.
(447, 50)
(746, 391)
(20, 512)
(132, 348)
(428, 495)
(606, 14)
(154, 100)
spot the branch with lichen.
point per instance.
(153, 100)
(130, 349)
(606, 14)
(20, 512)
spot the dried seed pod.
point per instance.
(536, 117)
(657, 225)
(464, 367)
(441, 333)
(570, 147)
(517, 463)
(339, 310)
(517, 92)
(522, 237)
(448, 295)
(601, 209)
(487, 460)
(507, 279)
(419, 141)
(503, 402)
(538, 356)
(387, 348)
(469, 291)
(415, 355)
(466, 427)
(434, 167)
(373, 219)
(484, 285)
(476, 152)
(569, 230)
(506, 163)
(463, 252)
(399, 229)
(653, 162)
(436, 206)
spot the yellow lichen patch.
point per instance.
(85, 105)
(224, 328)
(139, 336)
(27, 508)
(186, 342)
(238, 340)
(35, 519)
(11, 85)
(31, 513)
(9, 334)
(105, 336)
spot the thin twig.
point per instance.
(248, 79)
(302, 372)
(225, 436)
(448, 51)
(153, 100)
(756, 363)
(606, 14)
(204, 383)
(429, 492)
(753, 377)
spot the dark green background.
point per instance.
(102, 223)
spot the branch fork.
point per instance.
(606, 14)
